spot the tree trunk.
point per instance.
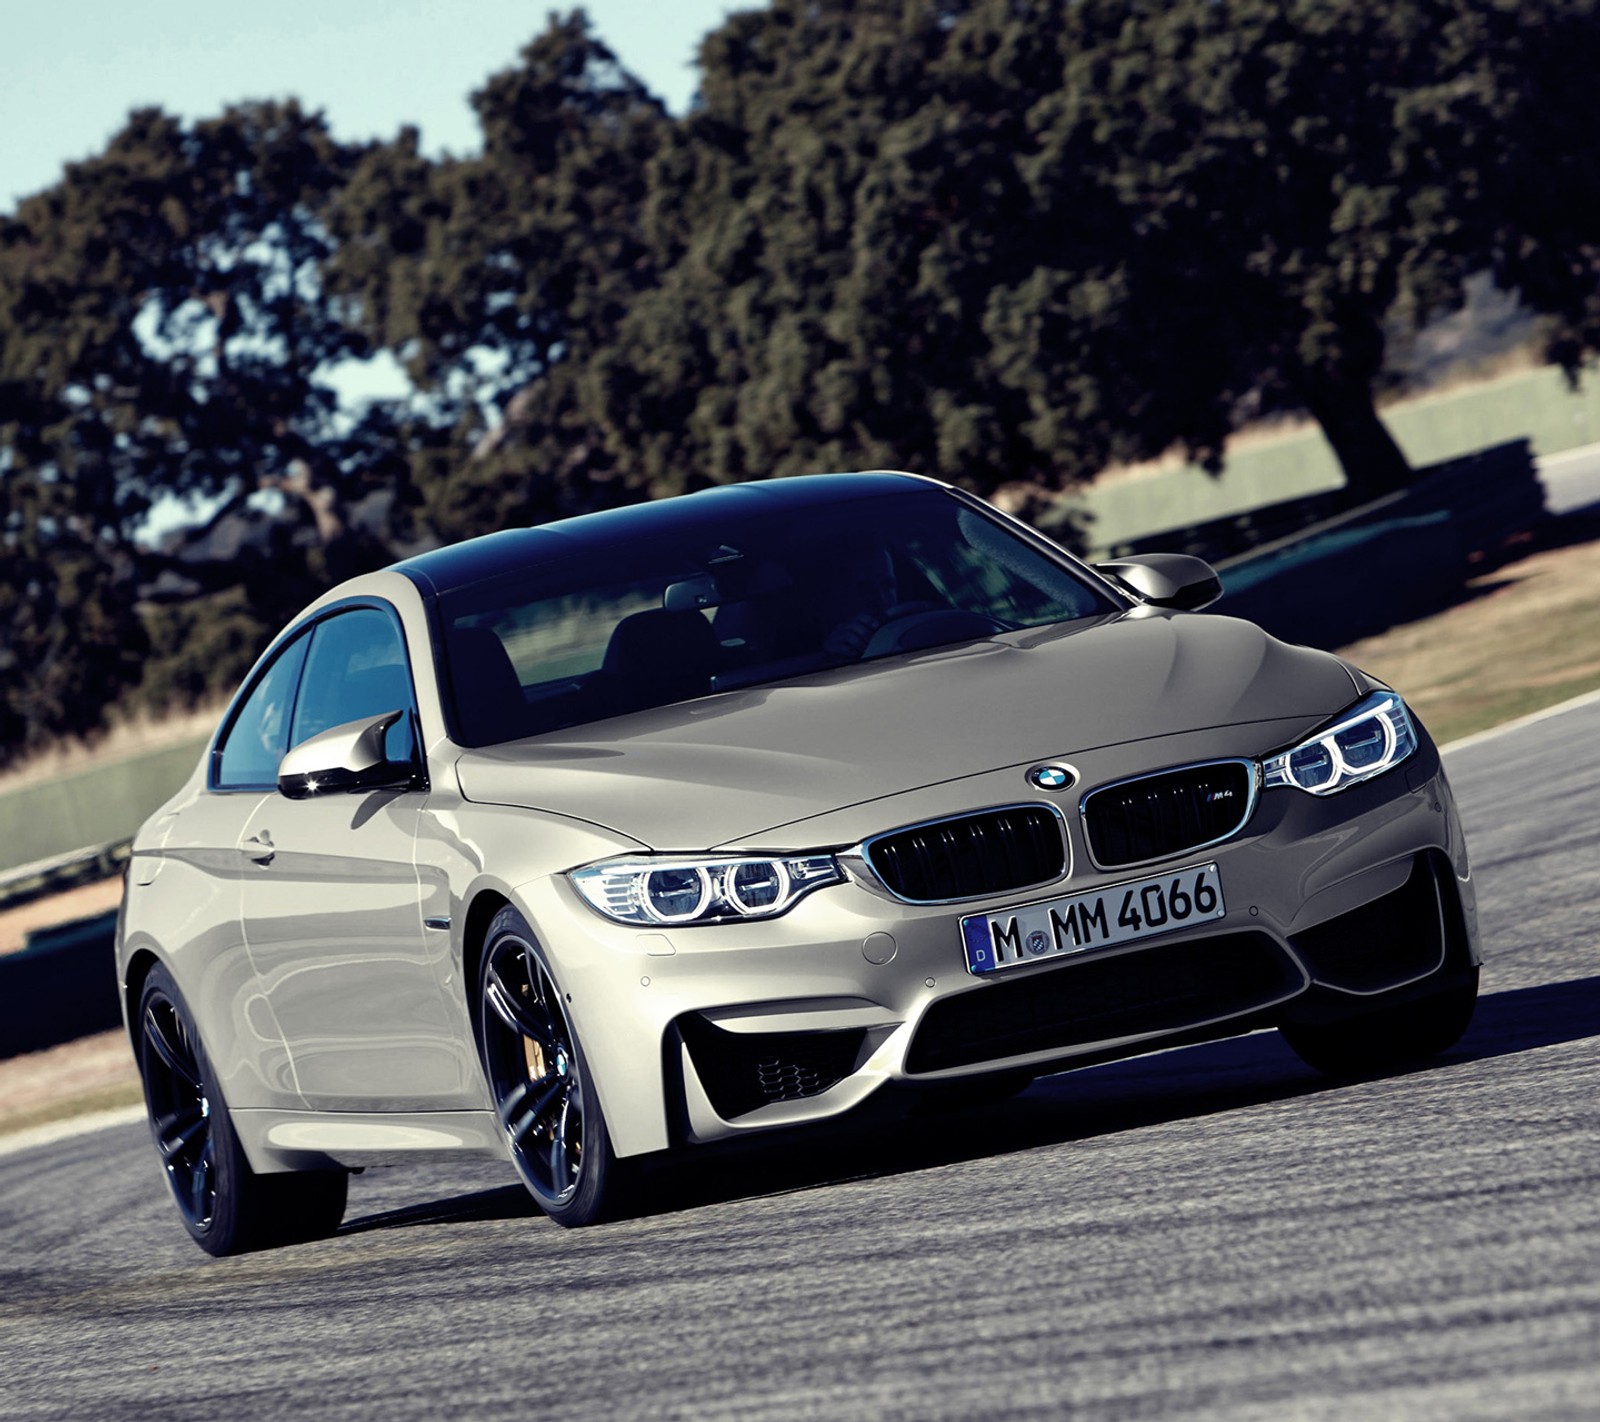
(1343, 405)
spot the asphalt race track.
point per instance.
(1212, 1232)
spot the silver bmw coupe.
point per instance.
(687, 821)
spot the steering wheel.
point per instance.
(910, 626)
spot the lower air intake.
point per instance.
(743, 1071)
(1165, 988)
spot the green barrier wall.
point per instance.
(61, 987)
(92, 806)
(1537, 405)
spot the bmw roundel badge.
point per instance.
(1052, 777)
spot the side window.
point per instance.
(356, 668)
(259, 734)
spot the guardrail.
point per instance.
(99, 803)
(1540, 405)
(61, 872)
(61, 985)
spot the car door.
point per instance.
(196, 885)
(332, 905)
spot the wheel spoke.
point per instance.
(514, 1013)
(566, 1146)
(520, 1124)
(200, 1183)
(178, 1059)
(176, 1131)
(560, 1174)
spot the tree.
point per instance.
(163, 335)
(828, 224)
(1014, 239)
(1285, 180)
(70, 640)
(494, 278)
(999, 241)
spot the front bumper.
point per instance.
(1333, 906)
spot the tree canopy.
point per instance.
(1001, 241)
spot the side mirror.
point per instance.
(1172, 580)
(344, 758)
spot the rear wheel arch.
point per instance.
(226, 1206)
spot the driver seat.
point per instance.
(657, 657)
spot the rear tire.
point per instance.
(1389, 1037)
(227, 1207)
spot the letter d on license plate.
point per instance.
(1096, 919)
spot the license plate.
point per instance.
(1079, 922)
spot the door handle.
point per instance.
(259, 847)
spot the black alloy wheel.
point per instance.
(180, 1106)
(226, 1206)
(539, 1080)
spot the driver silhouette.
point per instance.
(861, 594)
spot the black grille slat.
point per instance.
(971, 856)
(1169, 813)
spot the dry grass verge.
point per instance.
(77, 1078)
(1527, 636)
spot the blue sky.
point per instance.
(71, 70)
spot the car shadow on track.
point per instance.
(906, 1134)
(505, 1202)
(1522, 1019)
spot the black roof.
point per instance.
(513, 548)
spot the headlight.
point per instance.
(1370, 738)
(661, 891)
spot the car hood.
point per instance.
(740, 764)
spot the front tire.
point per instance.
(536, 1072)
(1388, 1038)
(227, 1207)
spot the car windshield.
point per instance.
(688, 608)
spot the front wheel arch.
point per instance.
(139, 967)
(1387, 1038)
(474, 940)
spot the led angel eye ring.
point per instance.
(733, 894)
